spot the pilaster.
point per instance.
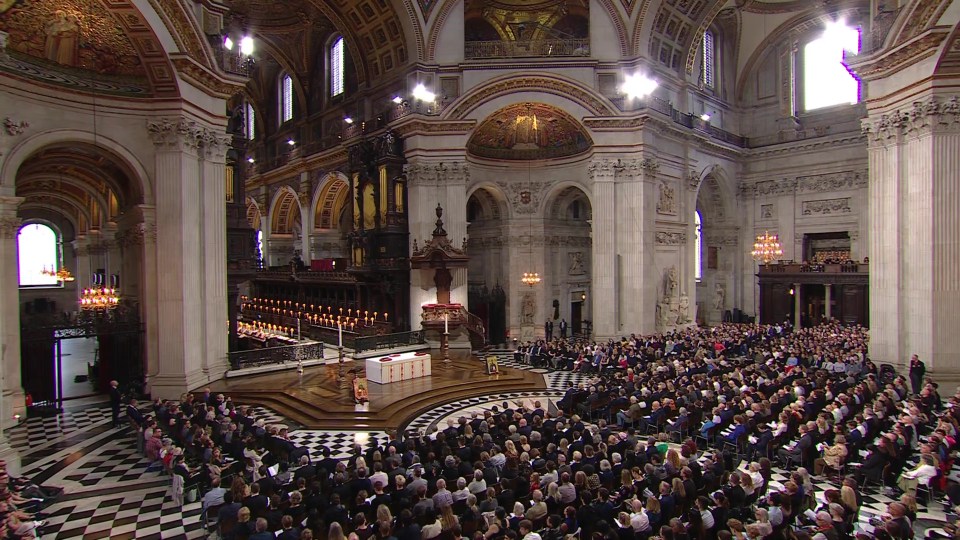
(12, 402)
(606, 293)
(914, 204)
(213, 219)
(185, 272)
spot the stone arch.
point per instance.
(539, 83)
(799, 24)
(715, 188)
(529, 130)
(561, 195)
(137, 174)
(284, 211)
(490, 201)
(330, 200)
(254, 215)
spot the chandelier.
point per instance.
(530, 278)
(62, 275)
(99, 298)
(767, 248)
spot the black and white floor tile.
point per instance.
(340, 443)
(465, 407)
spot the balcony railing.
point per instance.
(388, 341)
(539, 48)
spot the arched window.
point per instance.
(698, 240)
(709, 65)
(38, 247)
(286, 98)
(336, 67)
(250, 121)
(826, 81)
(260, 248)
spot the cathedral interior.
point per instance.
(287, 167)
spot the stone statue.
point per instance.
(718, 297)
(528, 309)
(683, 310)
(576, 263)
(666, 203)
(671, 285)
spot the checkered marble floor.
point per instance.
(555, 379)
(464, 407)
(34, 432)
(340, 443)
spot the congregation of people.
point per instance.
(672, 437)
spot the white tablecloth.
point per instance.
(398, 367)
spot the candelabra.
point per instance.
(445, 346)
(340, 377)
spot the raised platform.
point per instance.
(317, 400)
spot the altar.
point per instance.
(398, 367)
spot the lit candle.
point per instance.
(446, 324)
(339, 335)
(384, 315)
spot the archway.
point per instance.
(486, 298)
(255, 219)
(331, 221)
(568, 268)
(92, 199)
(284, 243)
(717, 233)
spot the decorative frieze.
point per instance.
(182, 134)
(9, 227)
(14, 128)
(530, 241)
(525, 197)
(138, 235)
(826, 207)
(816, 183)
(425, 173)
(922, 117)
(670, 238)
(766, 211)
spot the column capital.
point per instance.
(9, 227)
(186, 135)
(922, 116)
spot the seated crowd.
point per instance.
(672, 437)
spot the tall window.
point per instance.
(260, 260)
(336, 67)
(39, 251)
(698, 240)
(709, 60)
(826, 81)
(251, 121)
(286, 98)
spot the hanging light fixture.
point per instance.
(767, 248)
(99, 298)
(530, 278)
(64, 275)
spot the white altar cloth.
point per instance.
(398, 367)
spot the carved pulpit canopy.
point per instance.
(438, 252)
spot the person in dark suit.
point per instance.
(802, 448)
(256, 502)
(917, 371)
(548, 329)
(115, 399)
(288, 531)
(262, 532)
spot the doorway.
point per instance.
(576, 317)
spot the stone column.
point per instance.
(914, 153)
(634, 211)
(827, 308)
(213, 220)
(12, 402)
(181, 268)
(83, 270)
(797, 307)
(604, 263)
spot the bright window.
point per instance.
(260, 248)
(709, 62)
(251, 121)
(286, 98)
(39, 251)
(698, 240)
(826, 81)
(336, 67)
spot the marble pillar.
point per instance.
(214, 241)
(797, 307)
(606, 314)
(827, 296)
(914, 241)
(638, 278)
(12, 402)
(187, 207)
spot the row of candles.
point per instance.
(265, 328)
(296, 309)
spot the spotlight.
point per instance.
(421, 93)
(291, 142)
(638, 86)
(227, 43)
(397, 99)
(347, 119)
(251, 160)
(246, 46)
(705, 117)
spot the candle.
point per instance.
(446, 324)
(339, 335)
(384, 315)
